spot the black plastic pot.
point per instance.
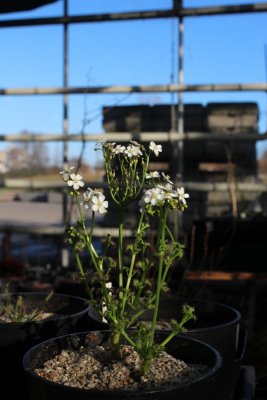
(17, 338)
(217, 325)
(189, 350)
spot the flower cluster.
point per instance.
(126, 282)
(163, 192)
(94, 200)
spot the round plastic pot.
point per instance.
(217, 325)
(189, 350)
(17, 338)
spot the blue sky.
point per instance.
(218, 49)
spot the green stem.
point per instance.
(188, 314)
(92, 251)
(89, 244)
(120, 252)
(80, 267)
(129, 340)
(161, 243)
(144, 176)
(130, 272)
(115, 344)
(136, 316)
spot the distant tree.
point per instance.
(30, 157)
(262, 163)
(17, 158)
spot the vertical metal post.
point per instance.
(172, 78)
(180, 121)
(64, 250)
(65, 104)
(180, 99)
(178, 147)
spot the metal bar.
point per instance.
(107, 17)
(35, 183)
(65, 109)
(60, 230)
(179, 154)
(138, 15)
(178, 146)
(222, 10)
(223, 186)
(255, 87)
(197, 186)
(142, 136)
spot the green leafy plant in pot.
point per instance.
(121, 291)
(135, 291)
(27, 319)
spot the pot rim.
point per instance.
(213, 370)
(235, 320)
(15, 325)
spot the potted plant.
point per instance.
(217, 324)
(122, 285)
(27, 319)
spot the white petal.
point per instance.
(95, 207)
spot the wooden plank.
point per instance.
(224, 276)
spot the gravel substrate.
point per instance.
(92, 369)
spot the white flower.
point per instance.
(99, 203)
(87, 198)
(133, 151)
(166, 178)
(152, 175)
(182, 195)
(66, 173)
(156, 148)
(153, 196)
(75, 181)
(119, 149)
(169, 192)
(135, 143)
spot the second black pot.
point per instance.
(17, 338)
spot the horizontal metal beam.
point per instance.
(138, 15)
(32, 183)
(139, 136)
(35, 183)
(77, 19)
(223, 186)
(222, 10)
(255, 87)
(60, 230)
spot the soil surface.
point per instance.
(89, 368)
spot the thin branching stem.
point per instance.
(161, 246)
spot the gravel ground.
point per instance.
(93, 369)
